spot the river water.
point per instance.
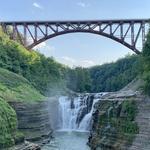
(71, 140)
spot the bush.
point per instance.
(146, 64)
(8, 124)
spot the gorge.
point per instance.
(102, 107)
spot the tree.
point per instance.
(114, 76)
(146, 64)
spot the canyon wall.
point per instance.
(33, 120)
(114, 125)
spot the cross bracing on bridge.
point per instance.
(129, 32)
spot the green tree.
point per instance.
(116, 75)
(146, 64)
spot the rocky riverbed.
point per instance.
(25, 146)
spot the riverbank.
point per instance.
(25, 146)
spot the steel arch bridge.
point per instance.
(129, 32)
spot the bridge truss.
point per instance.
(129, 32)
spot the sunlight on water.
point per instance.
(68, 141)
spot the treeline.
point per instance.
(49, 76)
(79, 79)
(104, 78)
(114, 76)
(145, 61)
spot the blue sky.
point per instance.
(77, 49)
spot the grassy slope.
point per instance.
(16, 88)
(8, 124)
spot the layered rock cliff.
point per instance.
(33, 120)
(142, 140)
(121, 120)
(114, 125)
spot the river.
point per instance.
(72, 140)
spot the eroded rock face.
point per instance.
(114, 126)
(86, 107)
(89, 102)
(33, 120)
(82, 112)
(142, 140)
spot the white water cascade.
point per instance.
(85, 123)
(73, 114)
(68, 115)
(76, 113)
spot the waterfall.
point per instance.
(76, 113)
(68, 115)
(108, 116)
(85, 123)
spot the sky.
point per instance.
(77, 49)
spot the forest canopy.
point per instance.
(49, 76)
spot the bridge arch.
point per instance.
(84, 31)
(117, 30)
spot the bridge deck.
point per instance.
(75, 21)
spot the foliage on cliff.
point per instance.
(79, 80)
(16, 88)
(114, 126)
(146, 64)
(114, 76)
(8, 124)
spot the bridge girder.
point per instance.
(128, 32)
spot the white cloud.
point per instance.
(83, 5)
(68, 59)
(41, 45)
(29, 40)
(48, 50)
(73, 63)
(37, 5)
(97, 28)
(87, 63)
(45, 49)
